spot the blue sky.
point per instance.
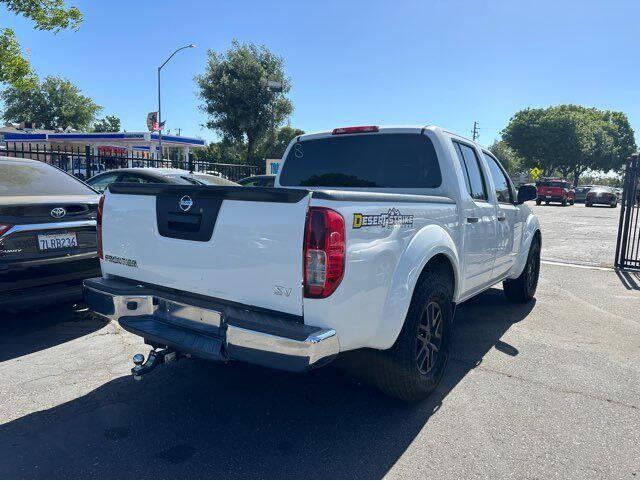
(358, 62)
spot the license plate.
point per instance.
(548, 197)
(48, 242)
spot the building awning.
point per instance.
(95, 138)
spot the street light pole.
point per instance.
(159, 100)
(276, 87)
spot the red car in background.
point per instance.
(555, 190)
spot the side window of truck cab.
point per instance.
(501, 181)
(473, 175)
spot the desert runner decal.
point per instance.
(389, 219)
(121, 260)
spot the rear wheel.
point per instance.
(538, 202)
(587, 204)
(412, 367)
(564, 202)
(546, 202)
(523, 288)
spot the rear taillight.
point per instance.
(324, 252)
(355, 130)
(4, 228)
(99, 227)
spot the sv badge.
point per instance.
(282, 291)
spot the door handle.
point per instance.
(472, 220)
(502, 218)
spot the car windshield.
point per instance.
(38, 178)
(191, 180)
(182, 179)
(379, 160)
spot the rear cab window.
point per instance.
(38, 178)
(367, 160)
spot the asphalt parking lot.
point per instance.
(547, 389)
(579, 234)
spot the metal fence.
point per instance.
(628, 243)
(83, 162)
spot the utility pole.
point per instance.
(474, 133)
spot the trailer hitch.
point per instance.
(154, 359)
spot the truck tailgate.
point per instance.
(241, 244)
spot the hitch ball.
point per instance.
(138, 359)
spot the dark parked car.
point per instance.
(47, 234)
(145, 175)
(258, 181)
(581, 192)
(602, 196)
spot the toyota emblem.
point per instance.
(185, 203)
(58, 212)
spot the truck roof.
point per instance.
(385, 129)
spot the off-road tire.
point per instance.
(523, 288)
(396, 371)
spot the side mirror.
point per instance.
(527, 192)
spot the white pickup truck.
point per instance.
(369, 239)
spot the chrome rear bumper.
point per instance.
(210, 328)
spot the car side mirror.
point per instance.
(527, 192)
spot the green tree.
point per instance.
(507, 157)
(226, 152)
(54, 103)
(51, 15)
(274, 148)
(110, 123)
(236, 96)
(570, 139)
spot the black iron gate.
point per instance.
(82, 162)
(628, 244)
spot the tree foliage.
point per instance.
(14, 68)
(275, 146)
(570, 139)
(236, 97)
(54, 103)
(110, 123)
(227, 151)
(51, 15)
(234, 152)
(507, 157)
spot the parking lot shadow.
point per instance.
(22, 333)
(196, 419)
(630, 279)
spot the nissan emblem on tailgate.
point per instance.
(58, 212)
(185, 203)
